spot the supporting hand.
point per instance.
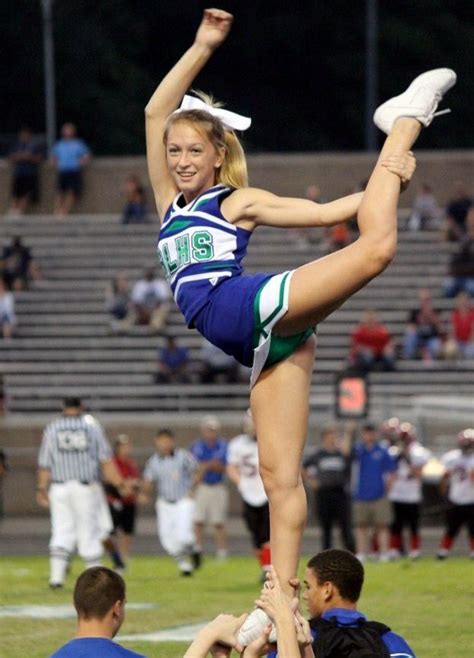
(403, 166)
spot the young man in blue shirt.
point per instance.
(332, 585)
(372, 474)
(99, 599)
(212, 496)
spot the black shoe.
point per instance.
(196, 557)
(55, 585)
(186, 573)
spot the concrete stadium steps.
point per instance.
(65, 345)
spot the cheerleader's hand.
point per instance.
(403, 166)
(214, 28)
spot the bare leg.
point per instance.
(279, 402)
(220, 536)
(321, 286)
(198, 535)
(124, 544)
(361, 539)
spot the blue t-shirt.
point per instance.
(94, 647)
(203, 452)
(68, 153)
(370, 465)
(395, 644)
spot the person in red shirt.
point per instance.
(123, 508)
(372, 346)
(462, 325)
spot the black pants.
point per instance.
(333, 507)
(257, 520)
(405, 515)
(456, 517)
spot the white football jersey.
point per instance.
(460, 468)
(243, 453)
(405, 487)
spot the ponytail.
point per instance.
(233, 172)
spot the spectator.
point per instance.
(117, 301)
(462, 263)
(217, 365)
(425, 211)
(424, 332)
(25, 158)
(173, 363)
(212, 497)
(456, 212)
(461, 334)
(372, 345)
(123, 507)
(135, 209)
(172, 471)
(69, 155)
(333, 582)
(373, 474)
(150, 298)
(406, 491)
(327, 471)
(99, 598)
(7, 311)
(17, 265)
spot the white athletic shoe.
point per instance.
(419, 101)
(253, 626)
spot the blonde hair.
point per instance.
(233, 171)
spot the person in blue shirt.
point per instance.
(333, 583)
(373, 472)
(69, 155)
(212, 496)
(99, 599)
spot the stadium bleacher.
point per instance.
(64, 345)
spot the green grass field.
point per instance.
(428, 602)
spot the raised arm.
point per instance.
(213, 30)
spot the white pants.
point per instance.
(104, 517)
(74, 519)
(175, 526)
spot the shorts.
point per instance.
(70, 181)
(372, 512)
(23, 186)
(212, 502)
(240, 316)
(123, 518)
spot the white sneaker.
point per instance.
(253, 626)
(419, 101)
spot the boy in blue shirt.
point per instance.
(99, 599)
(332, 585)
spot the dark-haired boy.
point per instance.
(333, 582)
(99, 599)
(332, 585)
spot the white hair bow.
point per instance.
(230, 120)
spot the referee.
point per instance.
(74, 454)
(172, 471)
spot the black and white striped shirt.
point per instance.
(73, 447)
(172, 474)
